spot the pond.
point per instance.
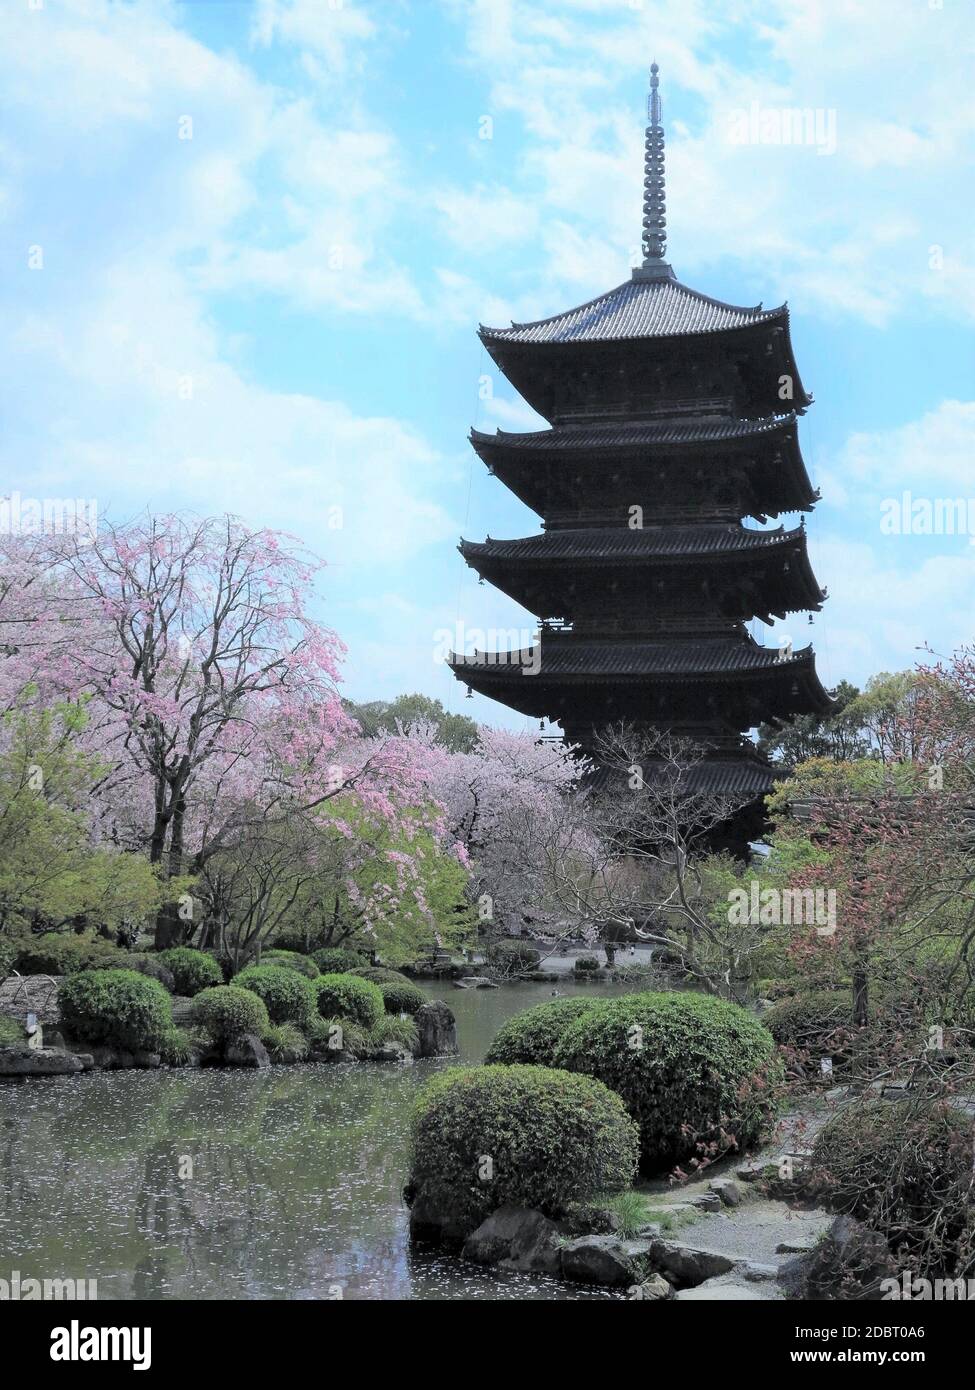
(229, 1184)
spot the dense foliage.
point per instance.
(698, 1074)
(292, 960)
(346, 996)
(529, 1136)
(905, 1169)
(286, 994)
(191, 970)
(511, 957)
(335, 960)
(227, 1013)
(117, 1008)
(402, 996)
(531, 1037)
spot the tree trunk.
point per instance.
(860, 997)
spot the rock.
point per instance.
(685, 1265)
(475, 982)
(706, 1201)
(429, 1222)
(726, 1291)
(802, 1245)
(850, 1263)
(758, 1273)
(37, 1061)
(604, 1260)
(437, 1028)
(516, 1238)
(729, 1193)
(247, 1051)
(652, 1290)
(392, 1052)
(119, 1059)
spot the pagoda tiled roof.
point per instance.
(616, 435)
(687, 659)
(619, 542)
(639, 308)
(742, 776)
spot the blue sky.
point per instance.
(268, 231)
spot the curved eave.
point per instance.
(511, 356)
(512, 682)
(499, 563)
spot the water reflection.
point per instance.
(233, 1184)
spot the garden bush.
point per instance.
(513, 956)
(59, 953)
(192, 970)
(380, 975)
(336, 960)
(585, 965)
(813, 1026)
(346, 996)
(402, 997)
(150, 964)
(287, 996)
(292, 960)
(553, 1139)
(903, 1168)
(11, 1032)
(227, 1013)
(531, 1037)
(699, 1075)
(115, 1008)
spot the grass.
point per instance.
(11, 1031)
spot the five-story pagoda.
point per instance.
(673, 419)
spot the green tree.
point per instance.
(52, 875)
(454, 732)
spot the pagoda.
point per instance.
(673, 421)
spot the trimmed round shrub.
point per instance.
(904, 1168)
(57, 953)
(151, 965)
(292, 960)
(115, 1008)
(380, 975)
(287, 996)
(335, 960)
(227, 1013)
(585, 965)
(346, 996)
(191, 970)
(695, 1073)
(813, 1026)
(531, 1037)
(512, 956)
(402, 997)
(553, 1139)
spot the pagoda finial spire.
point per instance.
(654, 204)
